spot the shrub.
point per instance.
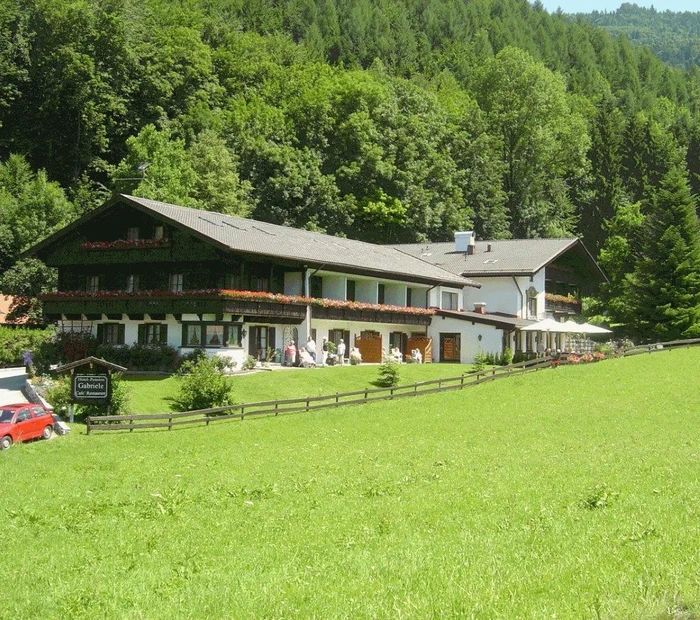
(507, 358)
(479, 362)
(16, 341)
(388, 373)
(203, 385)
(250, 363)
(58, 395)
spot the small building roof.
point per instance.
(90, 361)
(497, 320)
(511, 257)
(244, 235)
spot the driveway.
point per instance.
(11, 384)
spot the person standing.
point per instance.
(311, 347)
(341, 352)
(324, 351)
(290, 353)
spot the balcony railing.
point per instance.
(562, 304)
(253, 304)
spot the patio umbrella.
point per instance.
(572, 327)
(546, 325)
(587, 328)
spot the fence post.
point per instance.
(89, 425)
(170, 424)
(277, 405)
(242, 412)
(461, 381)
(336, 396)
(307, 403)
(336, 400)
(131, 422)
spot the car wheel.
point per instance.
(5, 442)
(48, 430)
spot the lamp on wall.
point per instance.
(244, 333)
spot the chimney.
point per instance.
(471, 248)
(480, 307)
(488, 247)
(463, 240)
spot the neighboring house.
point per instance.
(137, 270)
(522, 281)
(6, 302)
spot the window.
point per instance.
(211, 335)
(232, 282)
(193, 336)
(381, 290)
(132, 283)
(153, 333)
(176, 282)
(158, 232)
(132, 234)
(214, 335)
(450, 301)
(93, 284)
(316, 287)
(39, 412)
(262, 284)
(350, 290)
(110, 333)
(532, 303)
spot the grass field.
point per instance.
(151, 394)
(570, 493)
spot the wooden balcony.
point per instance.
(174, 303)
(560, 304)
(370, 316)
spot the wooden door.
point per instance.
(450, 347)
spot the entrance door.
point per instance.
(260, 339)
(450, 347)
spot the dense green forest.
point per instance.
(385, 120)
(673, 37)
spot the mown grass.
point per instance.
(152, 394)
(569, 493)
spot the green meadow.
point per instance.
(571, 493)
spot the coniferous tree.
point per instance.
(663, 292)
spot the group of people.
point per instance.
(308, 358)
(397, 356)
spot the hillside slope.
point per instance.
(569, 492)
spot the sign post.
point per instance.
(91, 382)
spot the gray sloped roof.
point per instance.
(262, 239)
(499, 258)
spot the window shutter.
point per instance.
(100, 333)
(122, 333)
(183, 342)
(142, 334)
(164, 333)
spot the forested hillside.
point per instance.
(673, 37)
(386, 120)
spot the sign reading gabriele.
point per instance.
(91, 387)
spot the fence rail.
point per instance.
(341, 399)
(307, 403)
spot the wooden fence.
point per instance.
(340, 399)
(309, 403)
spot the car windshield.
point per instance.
(6, 415)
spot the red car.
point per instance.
(22, 422)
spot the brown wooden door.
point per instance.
(450, 347)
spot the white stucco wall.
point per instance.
(322, 327)
(394, 294)
(502, 294)
(366, 291)
(491, 337)
(293, 283)
(418, 297)
(334, 287)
